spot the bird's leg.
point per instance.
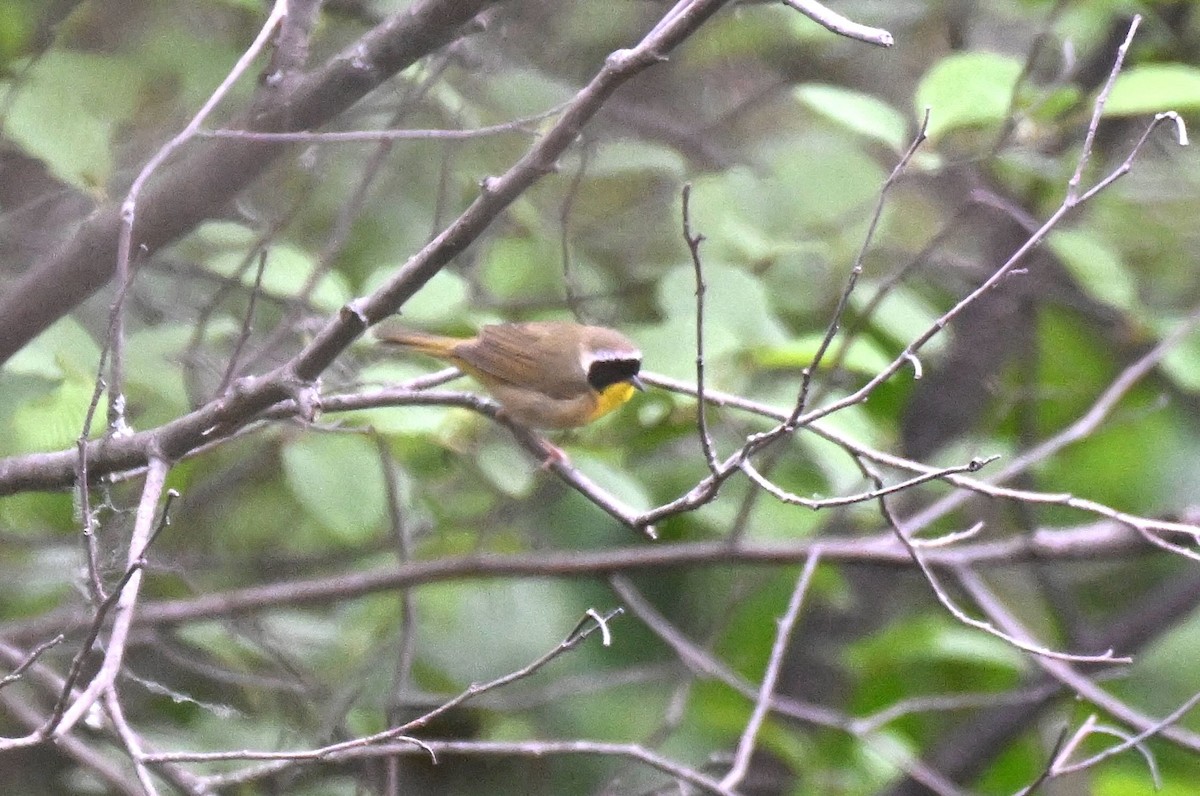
(554, 455)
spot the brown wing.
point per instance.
(530, 355)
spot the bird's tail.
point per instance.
(434, 345)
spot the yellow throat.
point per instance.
(611, 397)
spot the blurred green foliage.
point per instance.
(787, 134)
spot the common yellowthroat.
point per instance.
(545, 374)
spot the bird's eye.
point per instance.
(607, 372)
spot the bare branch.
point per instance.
(693, 242)
(835, 22)
(201, 183)
(114, 653)
(1064, 673)
(783, 634)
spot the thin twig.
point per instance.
(693, 242)
(124, 270)
(1065, 674)
(129, 206)
(533, 748)
(247, 323)
(1082, 428)
(783, 634)
(565, 211)
(856, 269)
(96, 762)
(1044, 775)
(144, 527)
(577, 635)
(116, 426)
(1089, 139)
(523, 126)
(133, 744)
(402, 535)
(856, 448)
(720, 472)
(703, 664)
(973, 466)
(1069, 203)
(836, 23)
(1128, 741)
(30, 659)
(943, 597)
(250, 396)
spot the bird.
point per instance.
(545, 374)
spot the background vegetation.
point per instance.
(978, 526)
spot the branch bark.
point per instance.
(251, 396)
(198, 185)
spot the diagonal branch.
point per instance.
(201, 183)
(253, 395)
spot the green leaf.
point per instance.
(442, 425)
(967, 90)
(614, 478)
(154, 378)
(513, 620)
(901, 317)
(17, 27)
(68, 111)
(737, 314)
(857, 112)
(841, 473)
(337, 478)
(65, 349)
(40, 578)
(862, 357)
(627, 159)
(522, 92)
(1055, 104)
(752, 214)
(972, 647)
(1096, 265)
(506, 467)
(441, 301)
(519, 267)
(54, 421)
(287, 273)
(289, 269)
(1133, 779)
(1182, 362)
(224, 235)
(925, 639)
(1153, 88)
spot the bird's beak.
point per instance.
(637, 383)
